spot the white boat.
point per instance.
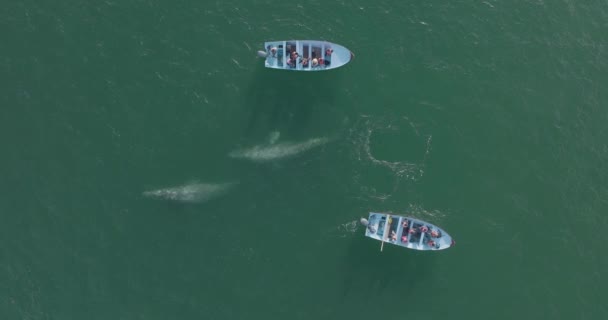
(304, 55)
(406, 232)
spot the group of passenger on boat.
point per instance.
(413, 233)
(295, 58)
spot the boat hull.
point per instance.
(407, 232)
(312, 55)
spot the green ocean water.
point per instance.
(487, 118)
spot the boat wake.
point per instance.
(193, 192)
(344, 230)
(274, 151)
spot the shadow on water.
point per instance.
(394, 271)
(285, 100)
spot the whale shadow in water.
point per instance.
(282, 99)
(395, 269)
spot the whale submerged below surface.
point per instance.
(274, 151)
(194, 192)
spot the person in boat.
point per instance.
(393, 235)
(432, 244)
(435, 234)
(412, 230)
(403, 239)
(280, 54)
(328, 53)
(293, 55)
(321, 62)
(315, 63)
(293, 60)
(424, 229)
(404, 224)
(304, 62)
(273, 52)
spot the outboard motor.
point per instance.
(262, 54)
(364, 222)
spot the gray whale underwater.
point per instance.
(274, 151)
(193, 192)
